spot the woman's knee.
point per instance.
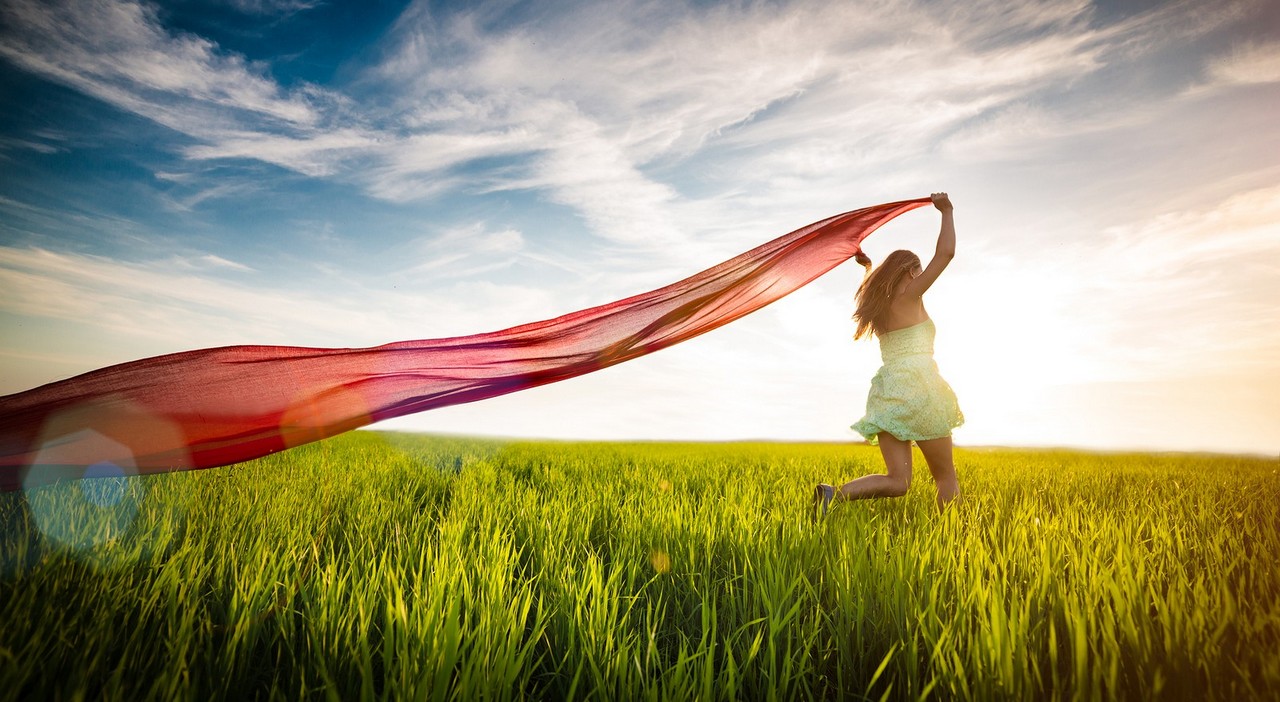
(899, 484)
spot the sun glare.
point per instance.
(1003, 343)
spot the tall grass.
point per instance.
(385, 565)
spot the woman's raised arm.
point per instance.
(943, 254)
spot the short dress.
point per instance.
(908, 398)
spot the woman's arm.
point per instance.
(945, 251)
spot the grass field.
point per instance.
(385, 565)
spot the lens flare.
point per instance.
(83, 514)
(108, 486)
(80, 484)
(661, 561)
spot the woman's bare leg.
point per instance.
(937, 453)
(893, 483)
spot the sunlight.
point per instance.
(1003, 343)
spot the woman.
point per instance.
(909, 401)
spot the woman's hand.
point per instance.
(941, 201)
(863, 259)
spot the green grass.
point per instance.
(384, 565)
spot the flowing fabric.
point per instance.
(214, 407)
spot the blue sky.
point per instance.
(190, 174)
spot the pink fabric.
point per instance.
(213, 407)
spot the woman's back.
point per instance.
(904, 312)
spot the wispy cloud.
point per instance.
(118, 52)
(781, 94)
(7, 143)
(1186, 289)
(181, 303)
(1227, 255)
(1251, 63)
(220, 262)
(313, 154)
(599, 119)
(273, 7)
(467, 252)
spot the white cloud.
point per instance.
(592, 174)
(591, 104)
(420, 165)
(37, 146)
(220, 262)
(1246, 64)
(319, 154)
(467, 252)
(273, 7)
(173, 304)
(117, 51)
(1190, 289)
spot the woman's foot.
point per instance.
(822, 496)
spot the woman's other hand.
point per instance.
(941, 201)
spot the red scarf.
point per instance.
(214, 407)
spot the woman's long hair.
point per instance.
(876, 292)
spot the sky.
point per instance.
(204, 173)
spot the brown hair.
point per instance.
(876, 292)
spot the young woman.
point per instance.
(909, 401)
